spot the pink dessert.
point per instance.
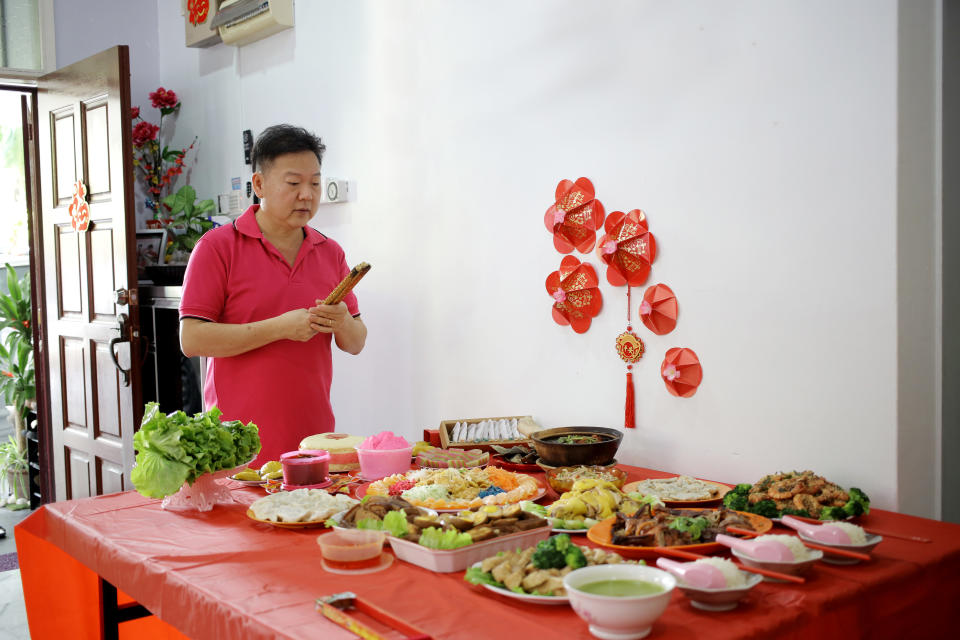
(384, 441)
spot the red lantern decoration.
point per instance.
(574, 217)
(658, 310)
(681, 372)
(577, 300)
(628, 248)
(79, 210)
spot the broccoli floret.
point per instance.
(803, 513)
(574, 557)
(766, 508)
(561, 542)
(736, 498)
(858, 503)
(832, 513)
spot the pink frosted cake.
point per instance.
(342, 448)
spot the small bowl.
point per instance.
(718, 599)
(867, 547)
(380, 463)
(305, 468)
(616, 617)
(570, 455)
(562, 485)
(351, 548)
(795, 568)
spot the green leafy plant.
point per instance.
(17, 374)
(189, 216)
(13, 458)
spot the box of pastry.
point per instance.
(480, 433)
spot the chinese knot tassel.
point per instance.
(629, 420)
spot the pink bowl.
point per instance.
(376, 464)
(305, 467)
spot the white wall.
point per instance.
(760, 138)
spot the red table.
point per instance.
(220, 575)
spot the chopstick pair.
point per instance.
(812, 545)
(876, 532)
(336, 607)
(687, 555)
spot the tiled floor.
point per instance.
(13, 614)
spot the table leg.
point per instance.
(112, 614)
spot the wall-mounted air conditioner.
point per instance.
(241, 22)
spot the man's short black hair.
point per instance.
(281, 139)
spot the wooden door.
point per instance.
(91, 312)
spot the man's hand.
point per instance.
(297, 325)
(329, 318)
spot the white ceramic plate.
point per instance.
(525, 597)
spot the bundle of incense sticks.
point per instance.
(348, 283)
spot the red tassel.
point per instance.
(629, 420)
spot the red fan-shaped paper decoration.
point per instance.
(628, 248)
(658, 310)
(79, 210)
(574, 288)
(575, 217)
(681, 372)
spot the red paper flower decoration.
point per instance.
(199, 10)
(574, 288)
(79, 209)
(658, 311)
(628, 248)
(681, 372)
(575, 216)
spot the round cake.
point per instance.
(342, 448)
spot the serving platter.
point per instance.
(541, 491)
(499, 461)
(248, 483)
(288, 525)
(601, 534)
(723, 489)
(523, 597)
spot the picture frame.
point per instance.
(150, 243)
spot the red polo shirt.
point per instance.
(235, 276)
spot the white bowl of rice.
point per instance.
(803, 557)
(860, 541)
(739, 584)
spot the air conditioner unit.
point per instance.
(241, 22)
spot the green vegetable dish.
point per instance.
(176, 448)
(798, 494)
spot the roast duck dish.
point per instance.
(652, 526)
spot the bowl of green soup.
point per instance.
(619, 601)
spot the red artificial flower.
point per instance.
(576, 296)
(628, 248)
(7, 373)
(162, 98)
(144, 132)
(574, 217)
(134, 112)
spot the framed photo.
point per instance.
(150, 243)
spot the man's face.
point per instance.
(289, 188)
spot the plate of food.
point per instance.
(644, 533)
(519, 457)
(298, 509)
(796, 493)
(535, 574)
(680, 491)
(456, 489)
(250, 477)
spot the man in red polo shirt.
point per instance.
(252, 301)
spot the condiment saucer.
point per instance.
(386, 559)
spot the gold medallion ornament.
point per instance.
(629, 346)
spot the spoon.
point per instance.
(701, 576)
(765, 550)
(821, 533)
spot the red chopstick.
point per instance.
(876, 532)
(812, 545)
(687, 555)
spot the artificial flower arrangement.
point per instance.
(158, 166)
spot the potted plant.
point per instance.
(18, 380)
(189, 222)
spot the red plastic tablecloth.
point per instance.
(221, 575)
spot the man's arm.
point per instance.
(350, 333)
(213, 339)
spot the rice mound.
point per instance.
(734, 577)
(799, 551)
(856, 533)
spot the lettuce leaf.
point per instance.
(434, 538)
(156, 476)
